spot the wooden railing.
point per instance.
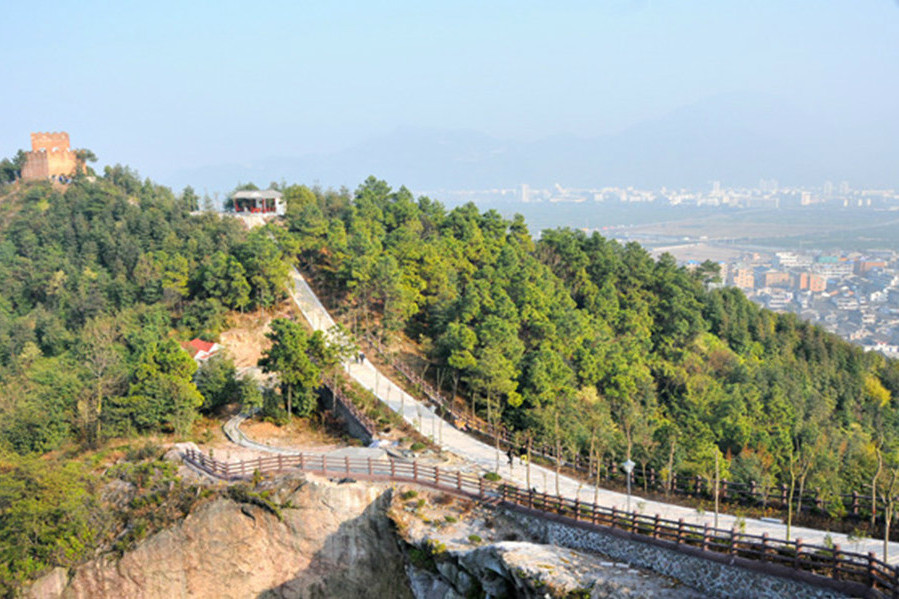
(360, 416)
(848, 572)
(856, 504)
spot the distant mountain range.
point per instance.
(735, 139)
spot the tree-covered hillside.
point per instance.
(101, 281)
(594, 347)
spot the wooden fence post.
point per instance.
(459, 480)
(655, 527)
(680, 530)
(855, 503)
(614, 514)
(733, 541)
(437, 476)
(798, 555)
(872, 569)
(280, 461)
(835, 570)
(705, 536)
(302, 464)
(370, 472)
(577, 508)
(764, 556)
(415, 471)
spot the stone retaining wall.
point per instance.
(712, 577)
(354, 427)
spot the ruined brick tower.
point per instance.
(50, 157)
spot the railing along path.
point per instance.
(853, 573)
(856, 505)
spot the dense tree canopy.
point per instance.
(101, 278)
(575, 328)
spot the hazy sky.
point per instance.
(156, 83)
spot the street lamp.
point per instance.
(628, 468)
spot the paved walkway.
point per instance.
(483, 457)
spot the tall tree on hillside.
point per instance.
(102, 354)
(456, 346)
(299, 358)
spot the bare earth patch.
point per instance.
(245, 340)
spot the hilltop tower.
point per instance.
(50, 157)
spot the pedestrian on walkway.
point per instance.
(510, 455)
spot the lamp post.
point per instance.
(628, 468)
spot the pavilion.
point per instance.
(268, 201)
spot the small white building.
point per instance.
(263, 202)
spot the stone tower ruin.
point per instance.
(50, 157)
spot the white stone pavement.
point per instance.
(483, 456)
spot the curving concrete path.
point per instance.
(482, 457)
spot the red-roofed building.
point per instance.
(201, 350)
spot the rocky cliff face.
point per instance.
(315, 538)
(456, 548)
(330, 541)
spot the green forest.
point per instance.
(596, 349)
(102, 281)
(570, 340)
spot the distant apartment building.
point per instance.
(832, 267)
(775, 278)
(743, 277)
(845, 303)
(812, 282)
(864, 266)
(794, 260)
(779, 300)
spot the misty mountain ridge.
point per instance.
(735, 139)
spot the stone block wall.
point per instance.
(50, 156)
(355, 428)
(714, 578)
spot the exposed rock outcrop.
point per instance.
(457, 548)
(330, 541)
